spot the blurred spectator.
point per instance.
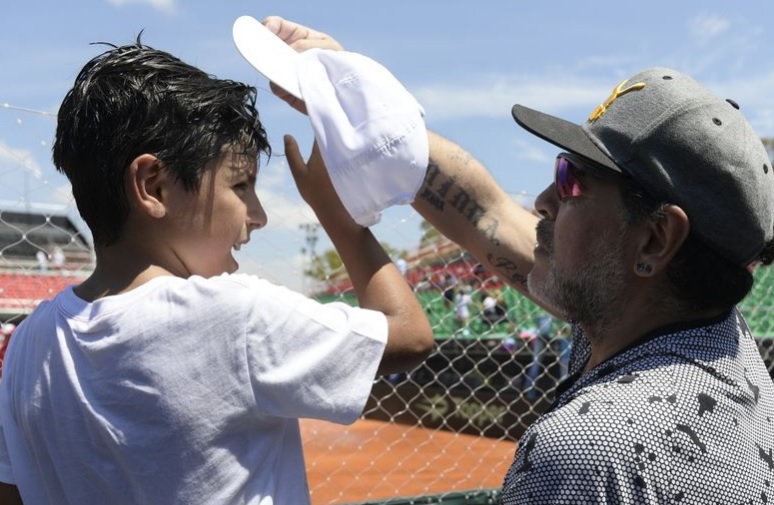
(462, 302)
(6, 330)
(486, 280)
(509, 343)
(493, 310)
(42, 258)
(426, 282)
(401, 265)
(449, 287)
(58, 258)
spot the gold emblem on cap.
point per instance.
(618, 91)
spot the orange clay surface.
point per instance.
(374, 461)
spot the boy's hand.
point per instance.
(300, 38)
(313, 182)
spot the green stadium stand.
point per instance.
(757, 306)
(477, 497)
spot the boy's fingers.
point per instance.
(295, 160)
(316, 156)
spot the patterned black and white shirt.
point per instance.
(686, 416)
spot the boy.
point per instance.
(165, 377)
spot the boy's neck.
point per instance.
(117, 272)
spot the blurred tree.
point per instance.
(328, 265)
(325, 265)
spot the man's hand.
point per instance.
(300, 38)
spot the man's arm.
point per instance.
(459, 196)
(9, 494)
(462, 200)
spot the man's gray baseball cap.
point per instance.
(683, 145)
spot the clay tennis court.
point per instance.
(374, 460)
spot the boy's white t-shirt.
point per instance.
(182, 391)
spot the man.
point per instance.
(662, 206)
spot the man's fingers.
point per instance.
(291, 100)
(286, 30)
(317, 43)
(299, 36)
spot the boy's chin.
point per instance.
(233, 265)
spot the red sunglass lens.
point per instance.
(565, 178)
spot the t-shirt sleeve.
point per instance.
(313, 360)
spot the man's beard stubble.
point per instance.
(592, 295)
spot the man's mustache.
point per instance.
(545, 235)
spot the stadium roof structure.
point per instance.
(26, 227)
(26, 230)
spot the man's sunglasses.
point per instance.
(569, 171)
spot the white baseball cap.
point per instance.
(370, 129)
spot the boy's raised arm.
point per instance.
(377, 282)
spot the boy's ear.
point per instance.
(147, 185)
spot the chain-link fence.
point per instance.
(497, 357)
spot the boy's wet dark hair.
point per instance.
(132, 100)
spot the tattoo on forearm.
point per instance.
(468, 207)
(508, 268)
(432, 173)
(439, 190)
(428, 194)
(491, 231)
(432, 198)
(443, 190)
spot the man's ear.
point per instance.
(661, 239)
(146, 186)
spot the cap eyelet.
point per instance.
(717, 121)
(765, 168)
(733, 103)
(667, 77)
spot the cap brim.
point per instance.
(561, 133)
(269, 54)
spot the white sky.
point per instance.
(466, 62)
